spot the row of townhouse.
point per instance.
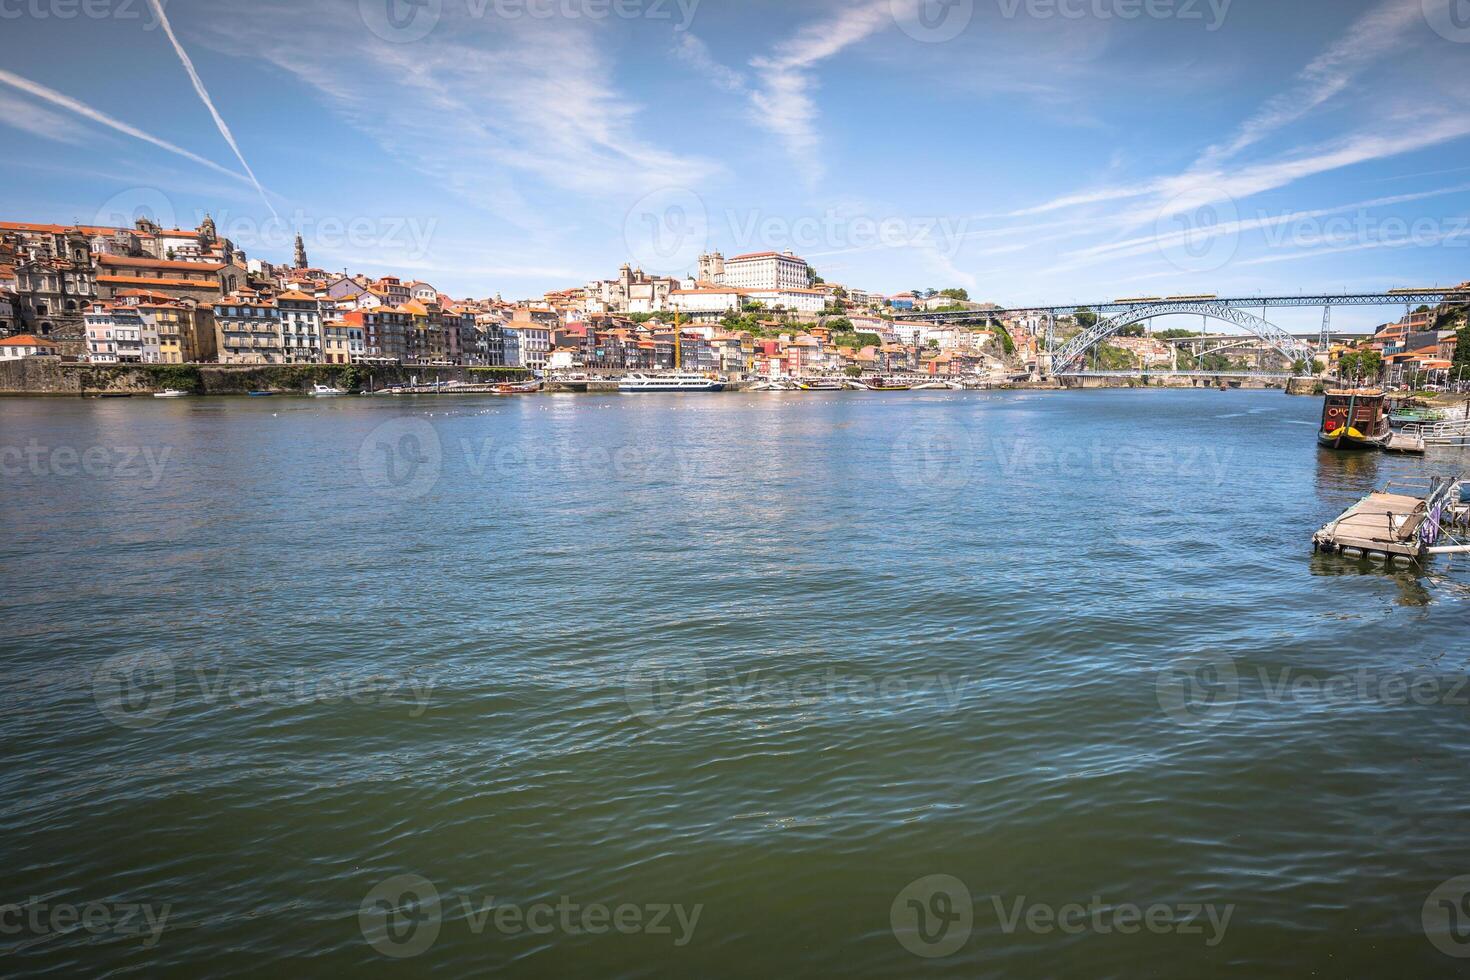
(294, 327)
(56, 274)
(143, 327)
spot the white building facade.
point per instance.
(301, 328)
(766, 270)
(797, 299)
(535, 345)
(714, 299)
(25, 345)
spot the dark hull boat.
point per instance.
(1358, 419)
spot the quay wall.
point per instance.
(52, 376)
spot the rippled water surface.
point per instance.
(766, 662)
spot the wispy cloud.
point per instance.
(219, 121)
(1400, 241)
(87, 112)
(1383, 30)
(31, 118)
(783, 98)
(696, 54)
(1195, 187)
(1148, 243)
(506, 114)
(1390, 27)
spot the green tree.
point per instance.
(1006, 343)
(1086, 319)
(1364, 364)
(962, 295)
(839, 324)
(1462, 351)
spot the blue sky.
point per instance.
(1028, 150)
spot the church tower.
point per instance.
(300, 253)
(712, 268)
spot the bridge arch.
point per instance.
(1069, 357)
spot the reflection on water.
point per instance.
(1410, 579)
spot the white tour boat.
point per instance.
(669, 382)
(325, 391)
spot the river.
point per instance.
(979, 684)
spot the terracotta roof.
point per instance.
(26, 340)
(183, 283)
(126, 260)
(145, 294)
(762, 255)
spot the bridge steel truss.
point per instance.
(1410, 298)
(1069, 358)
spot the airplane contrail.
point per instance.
(208, 102)
(87, 112)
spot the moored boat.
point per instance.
(325, 391)
(1357, 419)
(1353, 418)
(886, 384)
(171, 393)
(820, 384)
(525, 388)
(262, 394)
(669, 382)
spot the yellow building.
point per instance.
(335, 346)
(184, 330)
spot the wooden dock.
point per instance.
(1395, 525)
(1403, 442)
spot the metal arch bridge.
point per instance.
(1428, 296)
(1228, 309)
(1164, 373)
(1069, 357)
